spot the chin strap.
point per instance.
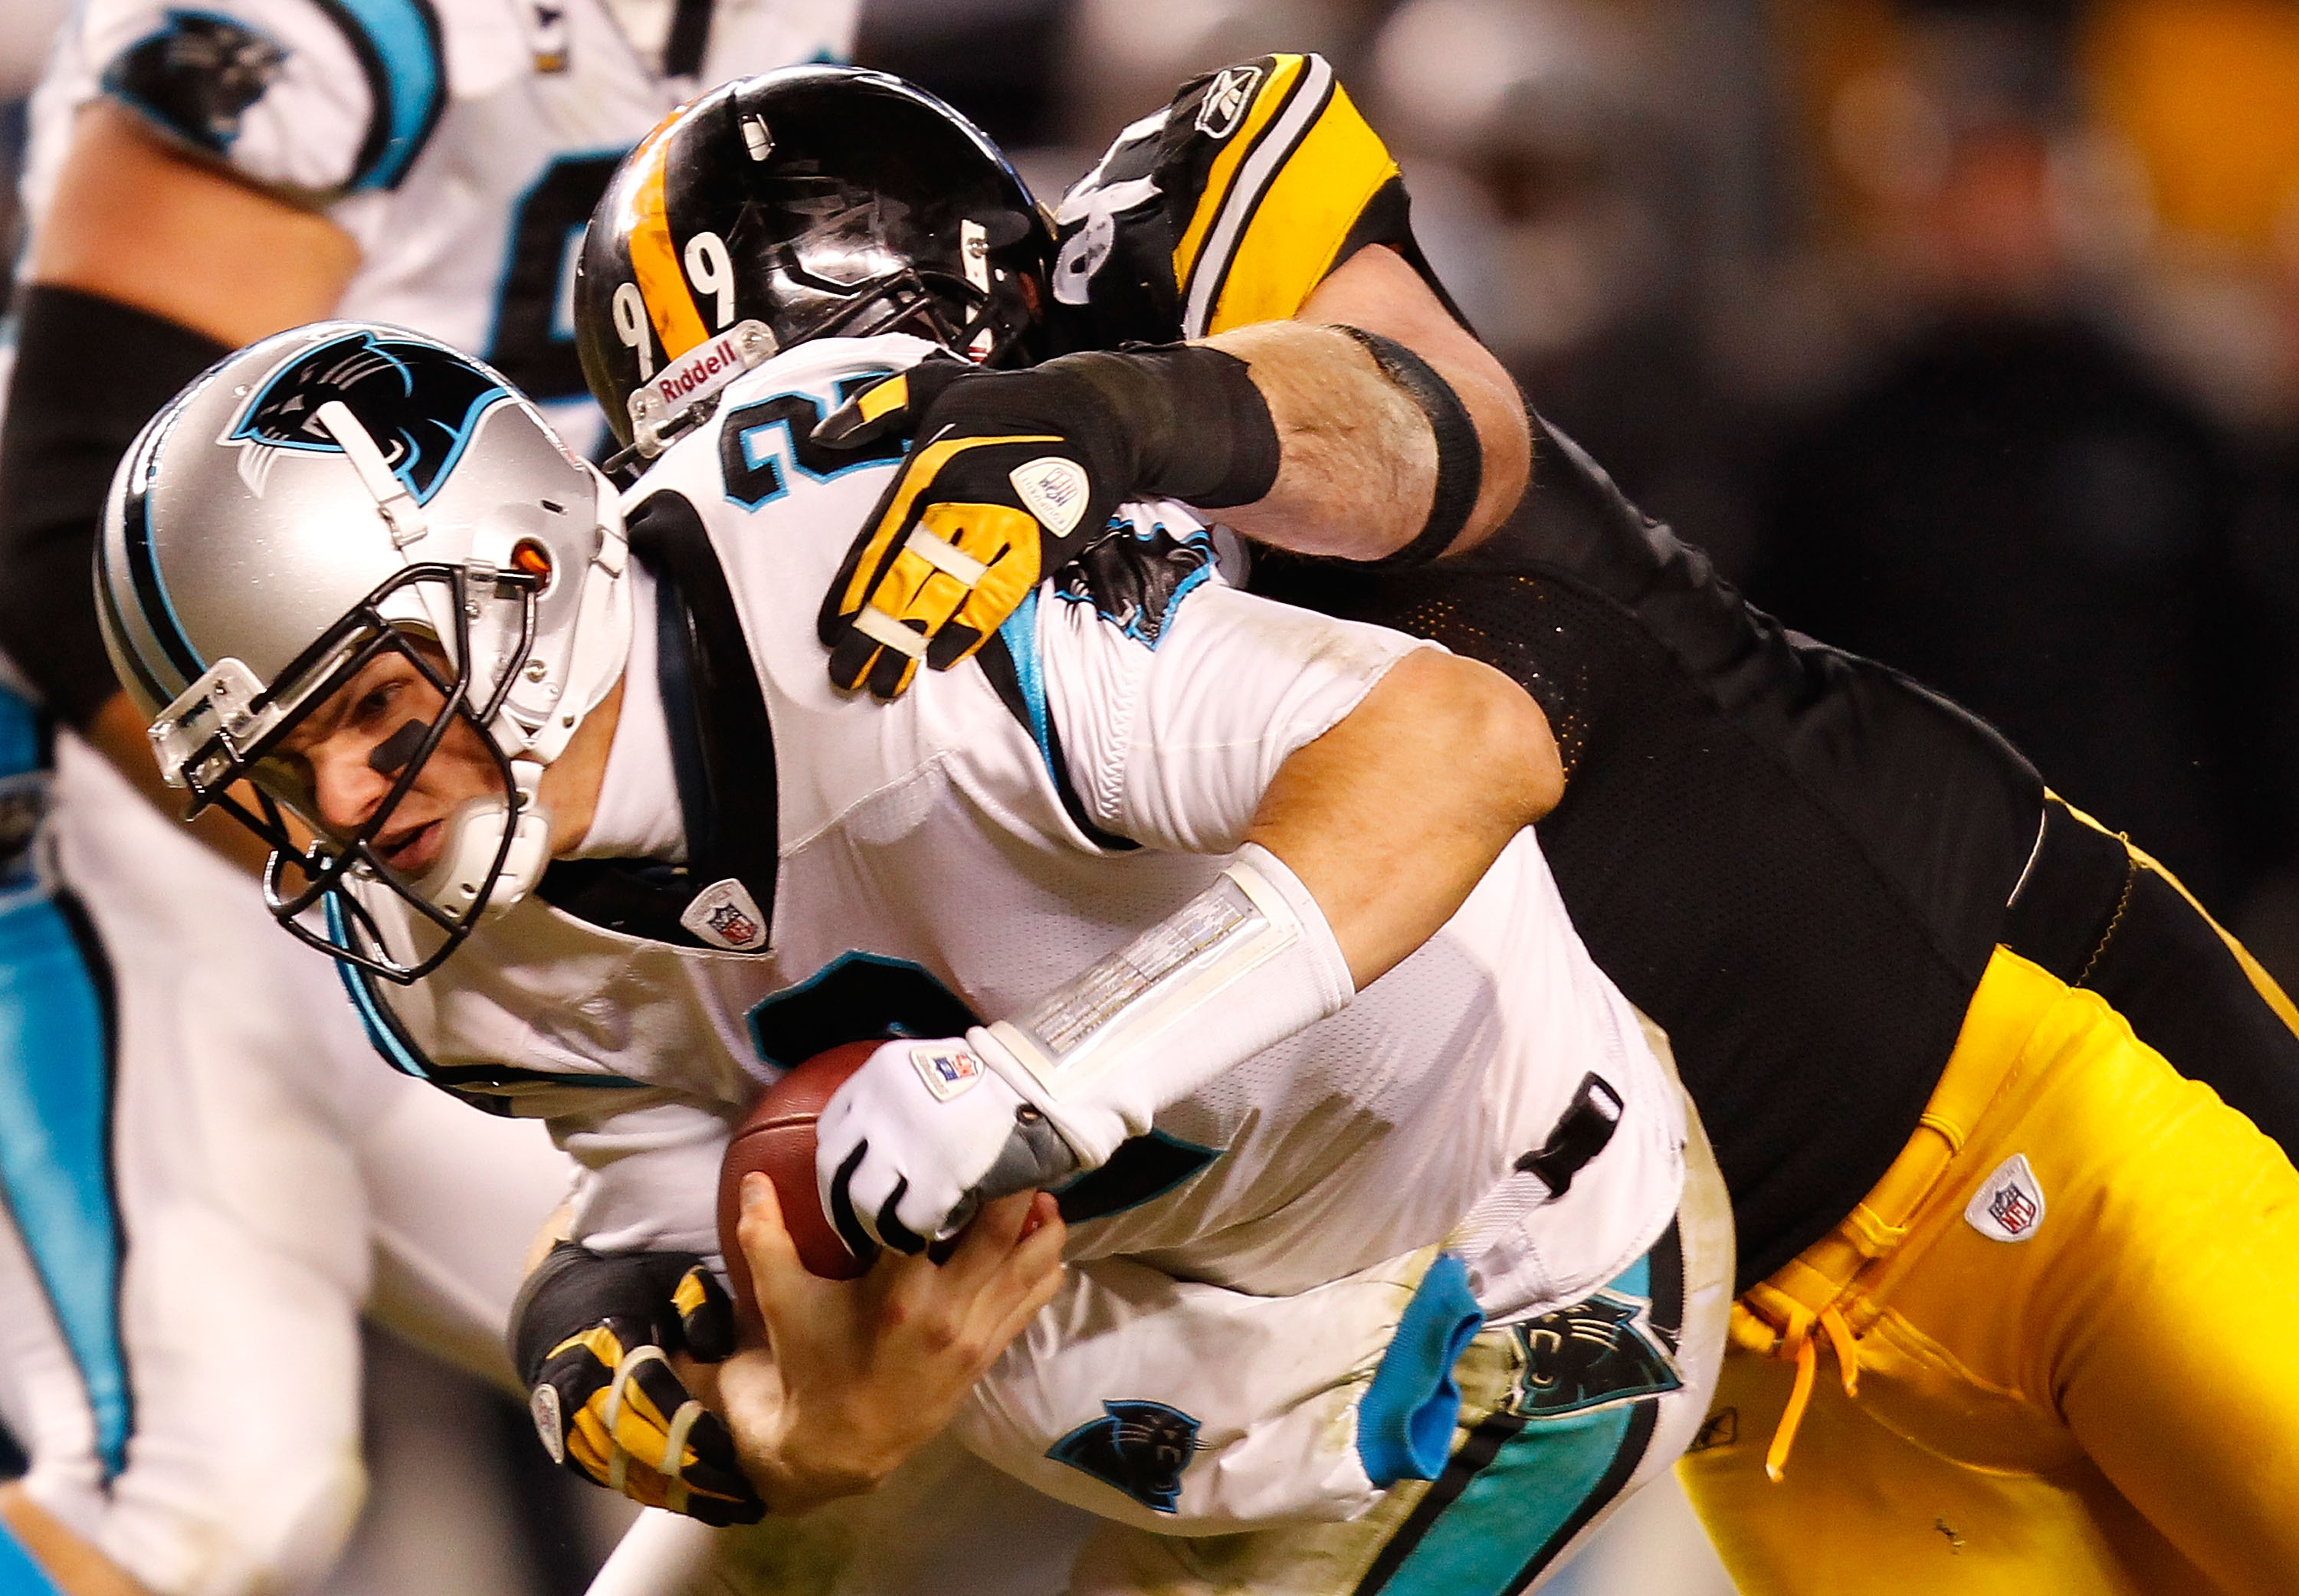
(392, 502)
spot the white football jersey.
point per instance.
(461, 143)
(988, 845)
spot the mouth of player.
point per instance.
(413, 850)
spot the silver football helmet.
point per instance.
(310, 502)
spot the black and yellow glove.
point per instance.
(590, 1334)
(1011, 475)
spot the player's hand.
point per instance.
(591, 1334)
(923, 1130)
(861, 1373)
(1013, 472)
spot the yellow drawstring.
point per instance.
(1796, 1341)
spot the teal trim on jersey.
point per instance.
(400, 32)
(1407, 1416)
(389, 1038)
(20, 736)
(382, 1027)
(55, 1149)
(1021, 634)
(24, 776)
(19, 1576)
(1085, 1197)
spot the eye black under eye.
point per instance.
(390, 756)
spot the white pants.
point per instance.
(269, 1175)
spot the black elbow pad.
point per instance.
(1460, 456)
(89, 372)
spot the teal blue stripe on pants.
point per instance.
(55, 1152)
(1543, 1483)
(1530, 1477)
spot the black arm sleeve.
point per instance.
(89, 373)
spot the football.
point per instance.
(777, 1141)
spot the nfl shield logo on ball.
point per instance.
(2008, 1205)
(947, 1070)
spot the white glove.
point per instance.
(904, 1148)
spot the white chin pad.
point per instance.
(474, 832)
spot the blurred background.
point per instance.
(1964, 335)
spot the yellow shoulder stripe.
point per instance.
(1283, 76)
(1314, 199)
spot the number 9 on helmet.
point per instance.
(810, 203)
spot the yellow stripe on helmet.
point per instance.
(654, 256)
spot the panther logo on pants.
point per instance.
(1596, 1353)
(1139, 1447)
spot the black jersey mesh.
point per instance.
(1793, 860)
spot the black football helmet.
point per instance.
(809, 202)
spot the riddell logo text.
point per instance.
(697, 368)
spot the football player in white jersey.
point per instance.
(198, 177)
(1279, 992)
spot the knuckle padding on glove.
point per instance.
(574, 1288)
(1183, 421)
(597, 1329)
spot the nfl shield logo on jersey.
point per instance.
(726, 915)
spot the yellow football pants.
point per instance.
(2110, 1405)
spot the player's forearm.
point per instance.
(145, 268)
(138, 222)
(1358, 462)
(1392, 817)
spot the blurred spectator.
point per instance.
(26, 27)
(1573, 180)
(992, 59)
(2013, 507)
(1119, 60)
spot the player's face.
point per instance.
(356, 743)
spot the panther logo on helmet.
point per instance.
(403, 391)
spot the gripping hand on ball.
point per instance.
(1014, 474)
(591, 1334)
(920, 1134)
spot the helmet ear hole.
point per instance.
(530, 556)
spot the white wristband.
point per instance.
(1237, 969)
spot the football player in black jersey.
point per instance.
(2004, 1114)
